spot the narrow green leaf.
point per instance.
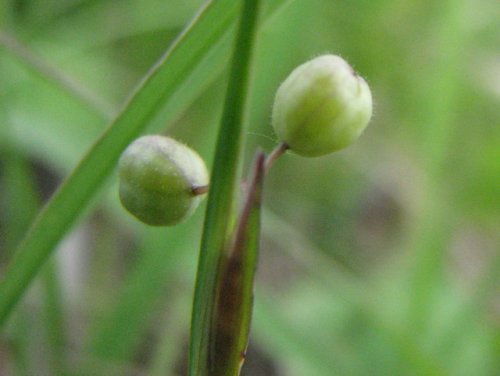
(158, 87)
(431, 230)
(22, 203)
(233, 312)
(22, 200)
(48, 72)
(139, 296)
(221, 198)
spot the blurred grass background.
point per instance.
(382, 259)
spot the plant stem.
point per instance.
(199, 190)
(275, 154)
(219, 219)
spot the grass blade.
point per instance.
(140, 291)
(23, 202)
(221, 200)
(235, 289)
(56, 77)
(432, 228)
(158, 87)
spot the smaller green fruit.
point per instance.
(323, 106)
(161, 180)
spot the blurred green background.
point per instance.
(382, 259)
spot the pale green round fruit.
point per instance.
(161, 180)
(323, 106)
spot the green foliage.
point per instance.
(209, 309)
(380, 259)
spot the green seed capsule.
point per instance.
(323, 106)
(161, 180)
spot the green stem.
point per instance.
(235, 283)
(222, 196)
